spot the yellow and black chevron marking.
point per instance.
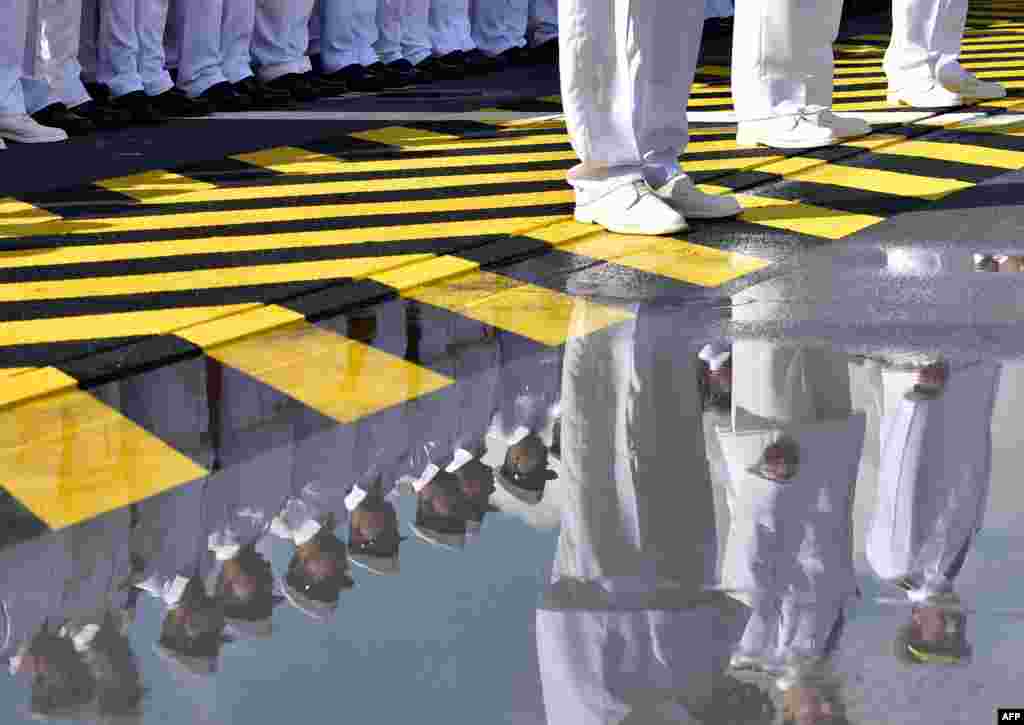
(236, 259)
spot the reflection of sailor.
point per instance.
(792, 451)
(628, 631)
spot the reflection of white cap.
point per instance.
(520, 434)
(187, 664)
(355, 497)
(428, 475)
(376, 564)
(248, 629)
(527, 496)
(460, 459)
(318, 611)
(453, 542)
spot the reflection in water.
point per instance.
(705, 569)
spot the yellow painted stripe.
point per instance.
(14, 213)
(287, 160)
(667, 257)
(153, 185)
(341, 378)
(851, 177)
(965, 153)
(34, 384)
(736, 162)
(287, 213)
(68, 457)
(10, 372)
(203, 279)
(228, 328)
(119, 324)
(551, 99)
(714, 70)
(403, 136)
(259, 242)
(528, 310)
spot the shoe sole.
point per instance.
(616, 229)
(894, 100)
(751, 142)
(33, 139)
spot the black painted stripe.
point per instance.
(842, 198)
(128, 358)
(58, 353)
(920, 166)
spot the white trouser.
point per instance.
(88, 49)
(13, 41)
(348, 30)
(449, 26)
(782, 56)
(542, 21)
(52, 73)
(403, 30)
(213, 38)
(281, 37)
(925, 41)
(131, 46)
(627, 67)
(499, 25)
(718, 8)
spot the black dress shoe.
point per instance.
(442, 68)
(408, 73)
(103, 115)
(357, 78)
(139, 105)
(546, 53)
(97, 91)
(390, 77)
(263, 96)
(478, 62)
(514, 57)
(58, 115)
(224, 99)
(298, 86)
(175, 103)
(327, 86)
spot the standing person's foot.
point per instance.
(406, 73)
(23, 128)
(175, 103)
(632, 208)
(930, 96)
(478, 62)
(327, 86)
(442, 68)
(297, 85)
(103, 115)
(546, 52)
(358, 79)
(802, 130)
(139, 106)
(682, 194)
(57, 115)
(514, 57)
(263, 96)
(388, 76)
(223, 98)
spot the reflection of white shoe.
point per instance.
(632, 209)
(24, 129)
(682, 194)
(844, 127)
(800, 131)
(933, 96)
(743, 662)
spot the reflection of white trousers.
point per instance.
(499, 25)
(926, 36)
(131, 46)
(782, 56)
(281, 37)
(403, 28)
(626, 73)
(13, 42)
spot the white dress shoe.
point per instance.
(973, 88)
(24, 129)
(682, 194)
(843, 127)
(933, 96)
(632, 208)
(799, 131)
(2, 145)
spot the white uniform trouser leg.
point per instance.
(416, 42)
(314, 29)
(499, 25)
(542, 21)
(627, 67)
(926, 36)
(449, 26)
(53, 74)
(389, 30)
(13, 42)
(131, 46)
(281, 37)
(236, 39)
(198, 25)
(782, 58)
(88, 51)
(348, 31)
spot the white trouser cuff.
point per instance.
(593, 185)
(158, 85)
(268, 73)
